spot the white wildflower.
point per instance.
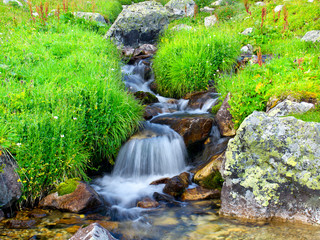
(55, 117)
(62, 136)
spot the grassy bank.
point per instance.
(62, 102)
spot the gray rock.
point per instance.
(210, 21)
(93, 232)
(13, 1)
(247, 31)
(288, 107)
(223, 119)
(207, 9)
(97, 17)
(181, 27)
(139, 23)
(179, 7)
(10, 188)
(260, 4)
(272, 170)
(278, 8)
(247, 49)
(311, 1)
(217, 3)
(312, 36)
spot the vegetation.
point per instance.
(63, 106)
(310, 116)
(69, 186)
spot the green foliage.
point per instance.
(213, 181)
(63, 106)
(228, 10)
(310, 116)
(69, 186)
(216, 108)
(187, 60)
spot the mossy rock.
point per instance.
(213, 181)
(69, 186)
(146, 97)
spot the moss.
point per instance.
(216, 108)
(213, 181)
(69, 186)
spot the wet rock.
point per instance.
(200, 193)
(109, 225)
(151, 111)
(247, 31)
(181, 8)
(153, 87)
(37, 213)
(207, 10)
(181, 27)
(146, 97)
(84, 198)
(97, 17)
(213, 148)
(176, 185)
(10, 187)
(210, 21)
(93, 231)
(147, 203)
(193, 128)
(199, 99)
(145, 49)
(139, 23)
(272, 170)
(165, 198)
(2, 216)
(20, 224)
(160, 181)
(288, 107)
(312, 36)
(223, 119)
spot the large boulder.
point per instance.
(288, 107)
(10, 186)
(84, 198)
(193, 128)
(139, 23)
(224, 119)
(272, 170)
(93, 231)
(181, 8)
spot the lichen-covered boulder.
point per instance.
(181, 8)
(10, 186)
(97, 17)
(312, 36)
(288, 107)
(272, 170)
(139, 23)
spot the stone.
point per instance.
(278, 8)
(93, 232)
(210, 21)
(207, 10)
(217, 3)
(247, 31)
(223, 119)
(150, 111)
(13, 1)
(20, 224)
(139, 23)
(213, 147)
(260, 4)
(146, 50)
(199, 100)
(176, 185)
(10, 185)
(200, 193)
(247, 49)
(165, 198)
(181, 27)
(96, 17)
(193, 128)
(2, 216)
(181, 8)
(37, 213)
(272, 170)
(312, 36)
(84, 198)
(160, 181)
(147, 203)
(109, 225)
(288, 107)
(146, 97)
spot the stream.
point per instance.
(155, 152)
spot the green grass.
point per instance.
(310, 116)
(187, 60)
(63, 106)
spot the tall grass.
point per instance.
(63, 107)
(187, 60)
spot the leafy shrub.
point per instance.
(187, 60)
(62, 95)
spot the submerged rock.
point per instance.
(193, 128)
(224, 119)
(312, 36)
(93, 231)
(10, 187)
(139, 23)
(288, 107)
(181, 8)
(200, 193)
(272, 170)
(20, 224)
(84, 198)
